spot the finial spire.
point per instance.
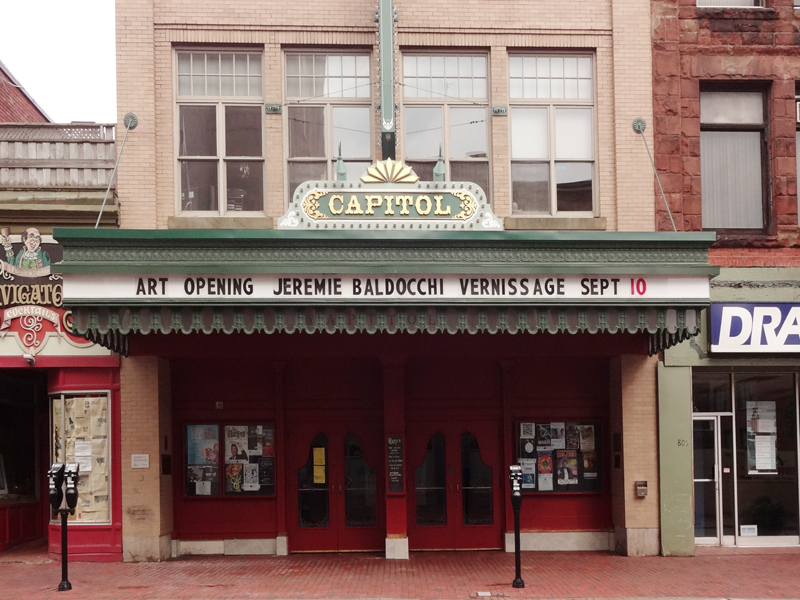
(341, 169)
(439, 170)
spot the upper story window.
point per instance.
(220, 132)
(731, 3)
(329, 108)
(552, 134)
(445, 108)
(732, 165)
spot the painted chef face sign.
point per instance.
(30, 296)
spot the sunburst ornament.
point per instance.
(390, 171)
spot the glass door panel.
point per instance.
(705, 479)
(312, 486)
(431, 485)
(476, 484)
(360, 506)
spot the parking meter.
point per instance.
(55, 478)
(71, 471)
(515, 478)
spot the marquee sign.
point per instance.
(755, 328)
(389, 196)
(30, 296)
(524, 288)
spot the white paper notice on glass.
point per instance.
(203, 488)
(83, 455)
(766, 453)
(545, 482)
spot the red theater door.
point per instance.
(335, 495)
(454, 486)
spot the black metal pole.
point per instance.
(65, 584)
(516, 504)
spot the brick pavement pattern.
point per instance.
(29, 575)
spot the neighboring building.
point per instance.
(322, 353)
(16, 105)
(56, 389)
(725, 84)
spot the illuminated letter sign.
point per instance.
(750, 328)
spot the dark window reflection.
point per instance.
(359, 486)
(476, 483)
(574, 186)
(312, 486)
(431, 490)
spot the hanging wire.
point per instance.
(639, 125)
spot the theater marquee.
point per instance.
(385, 289)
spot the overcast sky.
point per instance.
(62, 53)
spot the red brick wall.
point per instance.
(15, 107)
(691, 46)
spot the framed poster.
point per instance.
(249, 460)
(559, 456)
(202, 460)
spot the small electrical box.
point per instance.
(641, 489)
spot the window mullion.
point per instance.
(221, 171)
(551, 149)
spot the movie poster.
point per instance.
(528, 473)
(558, 436)
(567, 467)
(234, 477)
(543, 435)
(250, 476)
(236, 441)
(589, 465)
(202, 444)
(573, 436)
(587, 437)
(545, 471)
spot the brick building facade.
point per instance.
(16, 106)
(289, 416)
(735, 173)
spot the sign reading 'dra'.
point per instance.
(389, 196)
(749, 328)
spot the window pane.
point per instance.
(530, 187)
(711, 392)
(245, 185)
(184, 85)
(351, 130)
(198, 131)
(360, 493)
(730, 175)
(312, 486)
(292, 64)
(430, 485)
(424, 170)
(574, 186)
(305, 171)
(743, 108)
(355, 169)
(766, 425)
(184, 63)
(529, 133)
(243, 130)
(467, 132)
(306, 131)
(474, 171)
(574, 133)
(226, 62)
(423, 132)
(199, 188)
(198, 63)
(476, 484)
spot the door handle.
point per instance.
(458, 487)
(340, 489)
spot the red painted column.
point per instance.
(394, 424)
(278, 374)
(508, 437)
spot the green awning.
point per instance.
(111, 326)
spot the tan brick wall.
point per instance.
(146, 495)
(618, 33)
(634, 414)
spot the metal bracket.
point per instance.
(499, 111)
(272, 109)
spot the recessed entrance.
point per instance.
(454, 497)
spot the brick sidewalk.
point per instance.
(28, 575)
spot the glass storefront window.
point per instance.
(766, 431)
(19, 399)
(80, 429)
(711, 392)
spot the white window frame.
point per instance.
(62, 396)
(445, 103)
(219, 102)
(552, 104)
(733, 3)
(327, 103)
